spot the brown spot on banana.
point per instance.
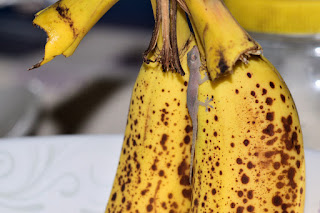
(222, 65)
(65, 15)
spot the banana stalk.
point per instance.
(219, 37)
(66, 23)
(153, 170)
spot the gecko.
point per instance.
(194, 63)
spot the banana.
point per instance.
(66, 23)
(153, 170)
(152, 174)
(249, 154)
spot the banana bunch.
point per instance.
(249, 154)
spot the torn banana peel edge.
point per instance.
(66, 23)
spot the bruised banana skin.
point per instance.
(249, 153)
(153, 170)
(66, 23)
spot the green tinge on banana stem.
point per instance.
(66, 23)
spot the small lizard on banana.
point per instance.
(194, 63)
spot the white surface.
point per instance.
(57, 174)
(75, 174)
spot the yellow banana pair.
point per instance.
(249, 151)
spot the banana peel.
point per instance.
(249, 151)
(66, 23)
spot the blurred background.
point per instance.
(89, 92)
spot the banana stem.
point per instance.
(166, 17)
(184, 6)
(166, 50)
(223, 41)
(173, 38)
(155, 34)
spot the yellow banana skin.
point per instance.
(249, 153)
(153, 169)
(66, 23)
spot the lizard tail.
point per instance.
(194, 138)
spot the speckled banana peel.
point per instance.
(219, 38)
(153, 170)
(66, 23)
(249, 154)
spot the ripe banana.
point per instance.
(249, 152)
(66, 23)
(153, 170)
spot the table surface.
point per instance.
(75, 174)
